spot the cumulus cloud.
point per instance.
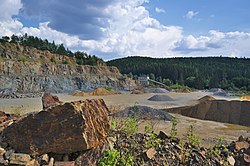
(159, 10)
(190, 14)
(9, 8)
(130, 31)
(8, 25)
(216, 43)
(87, 19)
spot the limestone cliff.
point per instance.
(27, 70)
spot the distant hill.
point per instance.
(198, 72)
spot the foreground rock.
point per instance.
(62, 129)
(236, 112)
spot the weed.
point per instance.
(173, 131)
(110, 158)
(129, 125)
(192, 138)
(148, 128)
(153, 141)
(113, 158)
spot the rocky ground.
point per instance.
(80, 133)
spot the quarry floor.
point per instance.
(208, 131)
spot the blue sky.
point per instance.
(118, 28)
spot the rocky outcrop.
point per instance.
(236, 112)
(26, 70)
(62, 129)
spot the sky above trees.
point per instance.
(118, 28)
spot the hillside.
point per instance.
(25, 69)
(200, 73)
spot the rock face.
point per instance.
(27, 70)
(236, 112)
(62, 129)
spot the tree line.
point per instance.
(195, 72)
(82, 58)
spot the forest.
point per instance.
(82, 58)
(195, 72)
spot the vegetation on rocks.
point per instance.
(150, 148)
(81, 58)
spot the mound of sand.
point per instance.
(101, 92)
(160, 98)
(137, 92)
(143, 112)
(206, 98)
(79, 93)
(245, 97)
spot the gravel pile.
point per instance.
(143, 112)
(160, 98)
(156, 90)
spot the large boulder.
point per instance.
(62, 129)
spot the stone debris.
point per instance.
(231, 160)
(64, 163)
(19, 158)
(44, 159)
(241, 145)
(150, 153)
(50, 101)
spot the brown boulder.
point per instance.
(49, 101)
(62, 129)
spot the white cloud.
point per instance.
(216, 43)
(159, 10)
(9, 26)
(8, 8)
(190, 14)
